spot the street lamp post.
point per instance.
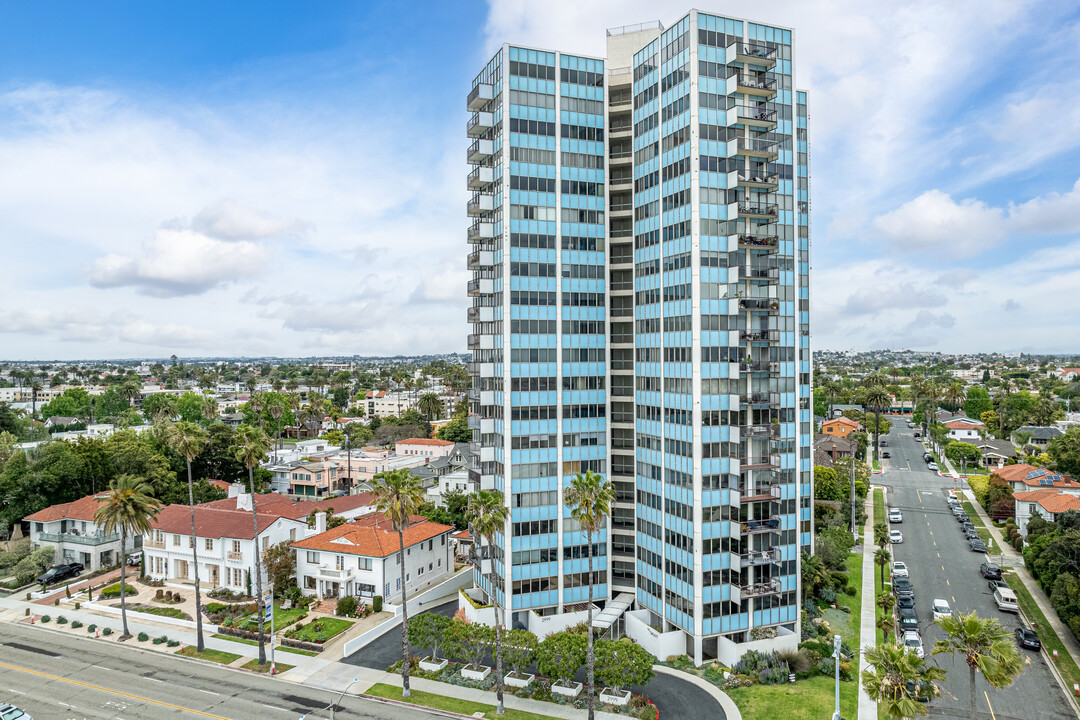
(355, 680)
(836, 658)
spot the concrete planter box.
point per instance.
(518, 681)
(571, 691)
(480, 674)
(613, 698)
(433, 665)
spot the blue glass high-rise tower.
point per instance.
(640, 309)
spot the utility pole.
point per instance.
(836, 665)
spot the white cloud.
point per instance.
(934, 221)
(180, 262)
(228, 220)
(1055, 213)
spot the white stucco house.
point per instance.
(70, 529)
(1049, 503)
(362, 558)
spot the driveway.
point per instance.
(675, 698)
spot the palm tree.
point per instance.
(276, 411)
(398, 496)
(166, 407)
(954, 394)
(209, 410)
(128, 509)
(131, 390)
(881, 559)
(814, 573)
(488, 514)
(1021, 438)
(187, 440)
(255, 404)
(894, 670)
(832, 387)
(251, 447)
(589, 498)
(35, 388)
(877, 398)
(987, 647)
(430, 405)
(933, 393)
(886, 601)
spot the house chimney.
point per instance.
(235, 489)
(243, 501)
(320, 522)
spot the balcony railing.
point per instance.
(755, 52)
(759, 336)
(756, 115)
(334, 573)
(621, 128)
(761, 180)
(479, 123)
(234, 555)
(759, 242)
(753, 527)
(762, 462)
(759, 304)
(74, 539)
(757, 82)
(770, 210)
(154, 544)
(621, 179)
(755, 273)
(758, 557)
(769, 587)
(760, 398)
(473, 341)
(620, 207)
(760, 431)
(480, 95)
(480, 150)
(480, 203)
(755, 146)
(620, 154)
(481, 232)
(620, 100)
(760, 492)
(480, 177)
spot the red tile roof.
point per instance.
(1020, 472)
(284, 506)
(962, 425)
(841, 421)
(212, 522)
(425, 441)
(1050, 499)
(81, 509)
(372, 536)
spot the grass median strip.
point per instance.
(277, 648)
(254, 665)
(1047, 636)
(809, 699)
(441, 702)
(217, 656)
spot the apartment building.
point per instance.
(70, 528)
(640, 308)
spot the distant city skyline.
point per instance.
(286, 182)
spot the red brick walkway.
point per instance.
(108, 577)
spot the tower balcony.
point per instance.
(769, 305)
(481, 286)
(761, 117)
(755, 54)
(761, 492)
(481, 260)
(760, 432)
(480, 150)
(759, 336)
(479, 123)
(480, 203)
(481, 341)
(763, 462)
(755, 147)
(758, 558)
(770, 243)
(764, 525)
(760, 398)
(770, 275)
(480, 177)
(477, 314)
(759, 589)
(759, 84)
(481, 232)
(759, 180)
(759, 211)
(479, 96)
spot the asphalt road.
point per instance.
(64, 677)
(942, 566)
(675, 698)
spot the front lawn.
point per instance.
(441, 702)
(282, 618)
(1045, 631)
(217, 656)
(847, 624)
(277, 648)
(320, 630)
(879, 506)
(254, 665)
(170, 612)
(810, 699)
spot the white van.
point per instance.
(1005, 599)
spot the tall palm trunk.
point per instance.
(590, 658)
(195, 561)
(499, 707)
(123, 576)
(877, 432)
(971, 688)
(404, 620)
(258, 567)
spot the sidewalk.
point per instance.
(867, 613)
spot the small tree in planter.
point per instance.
(426, 631)
(519, 649)
(560, 656)
(620, 663)
(469, 642)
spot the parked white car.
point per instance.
(932, 466)
(941, 609)
(913, 643)
(899, 569)
(896, 537)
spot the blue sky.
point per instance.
(288, 179)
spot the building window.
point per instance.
(176, 540)
(292, 535)
(363, 563)
(309, 582)
(236, 546)
(313, 557)
(339, 562)
(266, 543)
(209, 544)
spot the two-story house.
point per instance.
(965, 429)
(839, 427)
(1022, 477)
(362, 558)
(70, 528)
(1047, 502)
(426, 447)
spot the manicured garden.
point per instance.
(319, 630)
(217, 656)
(169, 612)
(277, 648)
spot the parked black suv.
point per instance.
(61, 572)
(908, 619)
(902, 587)
(990, 571)
(1028, 639)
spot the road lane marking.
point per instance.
(947, 582)
(113, 692)
(17, 692)
(939, 555)
(989, 705)
(211, 692)
(942, 567)
(59, 702)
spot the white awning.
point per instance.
(612, 611)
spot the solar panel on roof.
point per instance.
(1046, 481)
(1035, 473)
(1053, 477)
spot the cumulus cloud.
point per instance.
(228, 220)
(934, 221)
(143, 332)
(872, 300)
(180, 262)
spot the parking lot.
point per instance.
(941, 565)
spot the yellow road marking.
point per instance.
(947, 582)
(939, 555)
(114, 692)
(942, 567)
(989, 706)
